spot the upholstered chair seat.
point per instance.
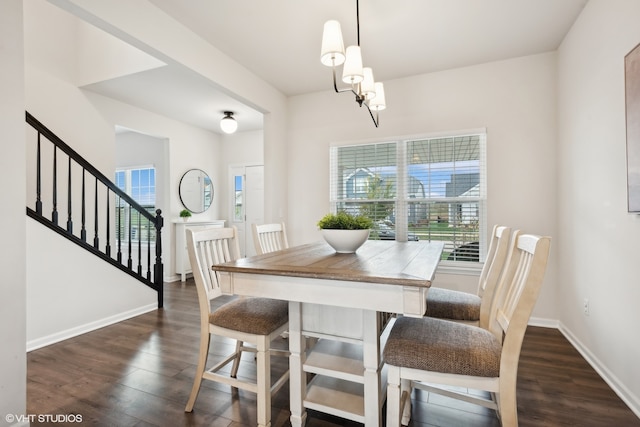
(257, 316)
(443, 346)
(448, 304)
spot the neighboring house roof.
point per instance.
(462, 183)
(472, 192)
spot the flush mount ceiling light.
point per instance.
(228, 124)
(367, 92)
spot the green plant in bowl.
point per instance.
(345, 221)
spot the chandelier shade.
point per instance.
(378, 103)
(352, 72)
(332, 53)
(367, 91)
(368, 88)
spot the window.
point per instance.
(419, 189)
(140, 184)
(238, 211)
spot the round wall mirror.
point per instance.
(196, 190)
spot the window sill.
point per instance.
(460, 268)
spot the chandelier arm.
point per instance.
(359, 98)
(376, 119)
(335, 84)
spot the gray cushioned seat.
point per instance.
(439, 345)
(258, 316)
(448, 304)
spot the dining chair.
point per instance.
(251, 321)
(269, 237)
(430, 353)
(467, 307)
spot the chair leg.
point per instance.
(495, 398)
(405, 401)
(507, 403)
(263, 374)
(393, 396)
(236, 361)
(205, 339)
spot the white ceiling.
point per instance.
(279, 40)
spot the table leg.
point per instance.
(297, 378)
(372, 381)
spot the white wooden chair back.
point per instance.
(492, 270)
(208, 247)
(269, 238)
(518, 290)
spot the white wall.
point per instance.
(244, 147)
(102, 56)
(75, 292)
(13, 360)
(514, 100)
(597, 241)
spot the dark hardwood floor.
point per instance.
(139, 373)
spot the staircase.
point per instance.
(100, 217)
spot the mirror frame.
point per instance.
(182, 191)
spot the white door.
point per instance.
(247, 203)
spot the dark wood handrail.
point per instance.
(42, 129)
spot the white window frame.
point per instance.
(402, 199)
(128, 187)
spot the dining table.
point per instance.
(344, 303)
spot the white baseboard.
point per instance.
(92, 326)
(173, 278)
(618, 387)
(543, 323)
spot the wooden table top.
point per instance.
(388, 262)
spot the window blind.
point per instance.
(447, 193)
(419, 189)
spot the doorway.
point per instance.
(247, 203)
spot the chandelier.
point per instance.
(368, 92)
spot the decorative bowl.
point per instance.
(345, 241)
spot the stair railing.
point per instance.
(136, 245)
